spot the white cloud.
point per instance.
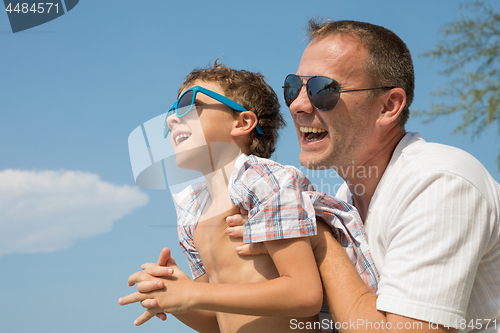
(44, 211)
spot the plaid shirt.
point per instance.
(281, 203)
(190, 204)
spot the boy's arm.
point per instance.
(200, 320)
(296, 292)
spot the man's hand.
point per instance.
(235, 230)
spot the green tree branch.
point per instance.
(470, 51)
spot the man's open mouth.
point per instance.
(312, 133)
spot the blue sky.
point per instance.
(73, 224)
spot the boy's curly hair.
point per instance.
(250, 91)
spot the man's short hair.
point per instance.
(389, 63)
(250, 91)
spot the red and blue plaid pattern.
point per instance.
(190, 203)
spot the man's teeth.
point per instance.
(311, 130)
(312, 133)
(181, 137)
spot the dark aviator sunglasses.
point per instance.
(323, 92)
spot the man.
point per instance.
(431, 212)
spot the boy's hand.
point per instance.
(157, 294)
(164, 267)
(235, 230)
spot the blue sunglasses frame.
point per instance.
(218, 97)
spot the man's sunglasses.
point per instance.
(186, 104)
(323, 92)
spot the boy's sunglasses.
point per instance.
(323, 92)
(186, 103)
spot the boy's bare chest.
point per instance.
(215, 247)
(220, 259)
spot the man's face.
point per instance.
(347, 128)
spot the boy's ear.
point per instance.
(244, 124)
(393, 105)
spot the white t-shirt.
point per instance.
(434, 232)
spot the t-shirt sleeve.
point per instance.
(273, 195)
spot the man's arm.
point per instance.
(351, 303)
(350, 300)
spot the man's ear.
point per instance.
(394, 102)
(244, 124)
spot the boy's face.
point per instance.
(191, 135)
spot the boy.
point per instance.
(223, 119)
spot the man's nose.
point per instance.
(301, 104)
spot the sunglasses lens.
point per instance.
(323, 92)
(291, 88)
(181, 107)
(170, 112)
(185, 103)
